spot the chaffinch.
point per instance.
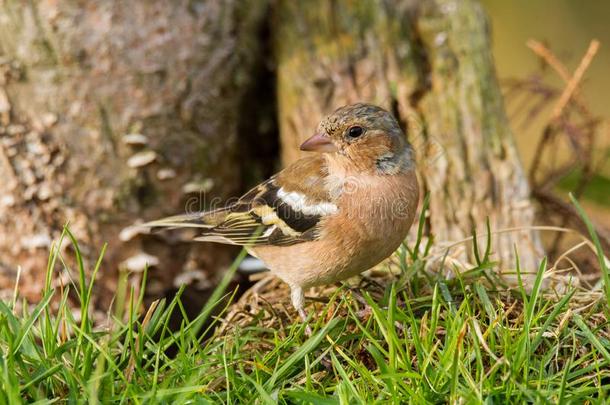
(328, 216)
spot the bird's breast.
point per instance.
(374, 216)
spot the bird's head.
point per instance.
(364, 136)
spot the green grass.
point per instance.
(418, 339)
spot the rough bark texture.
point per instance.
(430, 62)
(77, 77)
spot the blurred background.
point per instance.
(566, 27)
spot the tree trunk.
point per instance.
(430, 63)
(79, 76)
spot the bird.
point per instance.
(329, 216)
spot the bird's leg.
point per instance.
(298, 299)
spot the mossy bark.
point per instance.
(430, 63)
(77, 77)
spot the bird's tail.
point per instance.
(203, 220)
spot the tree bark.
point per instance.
(76, 78)
(79, 76)
(430, 63)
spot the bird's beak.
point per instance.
(319, 143)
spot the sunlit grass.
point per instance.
(419, 339)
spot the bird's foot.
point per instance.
(303, 316)
(298, 300)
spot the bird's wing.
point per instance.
(284, 210)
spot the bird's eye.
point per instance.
(355, 132)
